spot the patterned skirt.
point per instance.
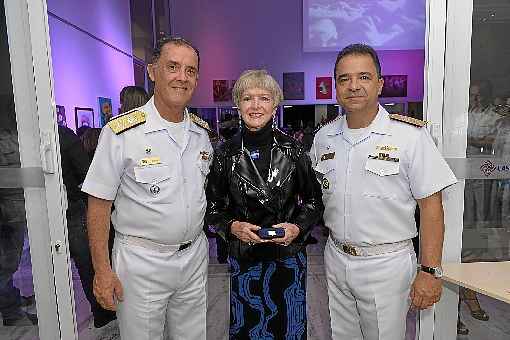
(268, 299)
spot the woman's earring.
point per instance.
(275, 122)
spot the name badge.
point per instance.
(327, 156)
(150, 161)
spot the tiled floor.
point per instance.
(497, 328)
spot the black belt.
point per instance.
(185, 245)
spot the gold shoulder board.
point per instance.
(126, 121)
(408, 120)
(199, 121)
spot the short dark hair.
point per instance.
(132, 97)
(359, 49)
(156, 53)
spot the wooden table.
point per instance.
(488, 278)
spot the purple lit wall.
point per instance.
(236, 35)
(84, 68)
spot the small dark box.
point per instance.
(269, 233)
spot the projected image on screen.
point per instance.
(330, 25)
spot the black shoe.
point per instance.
(24, 319)
(105, 318)
(311, 240)
(28, 301)
(461, 328)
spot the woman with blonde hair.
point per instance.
(263, 199)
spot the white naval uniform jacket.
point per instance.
(157, 185)
(370, 187)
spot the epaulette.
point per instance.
(126, 121)
(199, 121)
(408, 120)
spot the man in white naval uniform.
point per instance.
(373, 168)
(152, 163)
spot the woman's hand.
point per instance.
(246, 232)
(291, 232)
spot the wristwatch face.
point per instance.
(438, 272)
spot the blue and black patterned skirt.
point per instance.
(268, 299)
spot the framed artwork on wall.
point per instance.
(61, 115)
(294, 86)
(105, 110)
(394, 86)
(323, 87)
(84, 116)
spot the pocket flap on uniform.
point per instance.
(382, 168)
(324, 167)
(152, 174)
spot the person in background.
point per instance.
(374, 167)
(481, 131)
(308, 136)
(263, 178)
(89, 140)
(13, 225)
(75, 163)
(81, 130)
(132, 97)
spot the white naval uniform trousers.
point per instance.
(152, 296)
(369, 296)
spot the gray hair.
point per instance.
(178, 41)
(250, 79)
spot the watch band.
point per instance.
(437, 272)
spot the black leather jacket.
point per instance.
(236, 191)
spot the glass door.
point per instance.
(35, 285)
(475, 133)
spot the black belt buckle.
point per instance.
(347, 248)
(185, 245)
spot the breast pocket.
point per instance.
(157, 183)
(382, 168)
(380, 178)
(326, 175)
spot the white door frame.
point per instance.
(455, 120)
(448, 63)
(30, 56)
(447, 70)
(432, 111)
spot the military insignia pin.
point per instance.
(155, 189)
(325, 184)
(204, 155)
